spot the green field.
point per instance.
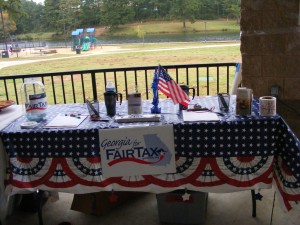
(131, 56)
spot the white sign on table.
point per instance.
(137, 151)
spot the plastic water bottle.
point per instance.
(34, 99)
(110, 86)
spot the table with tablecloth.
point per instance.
(7, 115)
(233, 154)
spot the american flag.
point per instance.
(170, 88)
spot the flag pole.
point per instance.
(155, 109)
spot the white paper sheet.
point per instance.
(193, 116)
(64, 121)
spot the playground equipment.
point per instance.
(86, 44)
(91, 33)
(83, 41)
(77, 38)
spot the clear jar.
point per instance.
(34, 99)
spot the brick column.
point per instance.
(270, 48)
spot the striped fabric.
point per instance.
(170, 88)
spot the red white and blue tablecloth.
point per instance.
(233, 154)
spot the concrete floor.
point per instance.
(222, 209)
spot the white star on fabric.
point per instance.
(186, 196)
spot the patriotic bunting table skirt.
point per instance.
(233, 154)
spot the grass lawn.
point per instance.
(132, 56)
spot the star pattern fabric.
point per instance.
(235, 153)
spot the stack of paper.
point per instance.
(65, 121)
(193, 116)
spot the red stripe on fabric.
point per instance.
(173, 92)
(245, 159)
(140, 161)
(24, 160)
(264, 177)
(42, 181)
(283, 194)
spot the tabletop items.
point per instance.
(224, 100)
(267, 106)
(186, 89)
(34, 98)
(93, 108)
(5, 103)
(229, 154)
(134, 103)
(163, 81)
(66, 121)
(244, 98)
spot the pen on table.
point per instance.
(74, 115)
(204, 111)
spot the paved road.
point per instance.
(115, 51)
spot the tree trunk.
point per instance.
(184, 26)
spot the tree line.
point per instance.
(63, 16)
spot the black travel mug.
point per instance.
(186, 89)
(110, 99)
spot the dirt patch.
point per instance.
(48, 52)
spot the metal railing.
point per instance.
(76, 86)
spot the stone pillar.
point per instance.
(270, 48)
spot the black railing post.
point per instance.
(94, 85)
